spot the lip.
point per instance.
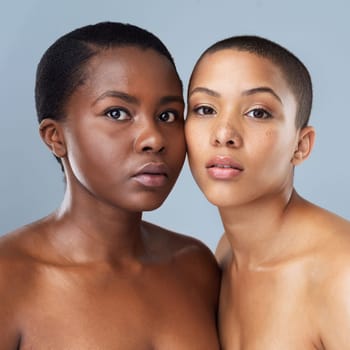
(152, 174)
(223, 168)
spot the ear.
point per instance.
(305, 144)
(51, 133)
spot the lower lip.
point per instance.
(151, 180)
(224, 173)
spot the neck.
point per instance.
(257, 232)
(87, 230)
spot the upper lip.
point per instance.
(223, 162)
(153, 168)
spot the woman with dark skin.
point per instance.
(93, 275)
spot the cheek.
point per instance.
(178, 138)
(196, 147)
(269, 133)
(195, 138)
(91, 155)
(177, 150)
(273, 150)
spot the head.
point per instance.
(62, 68)
(249, 103)
(294, 71)
(110, 108)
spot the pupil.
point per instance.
(258, 113)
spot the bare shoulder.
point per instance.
(332, 231)
(334, 246)
(189, 254)
(327, 238)
(331, 274)
(332, 312)
(16, 256)
(20, 258)
(169, 243)
(17, 273)
(333, 250)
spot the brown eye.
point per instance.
(117, 114)
(259, 113)
(168, 116)
(204, 110)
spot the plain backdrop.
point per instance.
(31, 183)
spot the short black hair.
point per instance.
(62, 67)
(294, 71)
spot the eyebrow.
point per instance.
(118, 94)
(204, 90)
(260, 89)
(171, 98)
(134, 100)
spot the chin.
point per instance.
(150, 205)
(213, 199)
(220, 201)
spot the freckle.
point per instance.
(268, 133)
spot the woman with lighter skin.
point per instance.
(285, 262)
(93, 275)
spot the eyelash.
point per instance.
(175, 116)
(120, 111)
(204, 110)
(266, 114)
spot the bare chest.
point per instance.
(266, 310)
(121, 313)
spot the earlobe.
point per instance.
(51, 133)
(298, 155)
(306, 142)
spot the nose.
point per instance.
(150, 138)
(225, 133)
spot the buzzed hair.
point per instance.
(294, 71)
(62, 68)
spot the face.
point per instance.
(124, 129)
(240, 128)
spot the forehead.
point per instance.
(132, 66)
(231, 68)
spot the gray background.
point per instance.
(31, 183)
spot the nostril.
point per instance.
(147, 149)
(229, 142)
(151, 149)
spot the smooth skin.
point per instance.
(93, 275)
(285, 262)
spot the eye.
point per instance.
(117, 113)
(259, 113)
(204, 110)
(168, 116)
